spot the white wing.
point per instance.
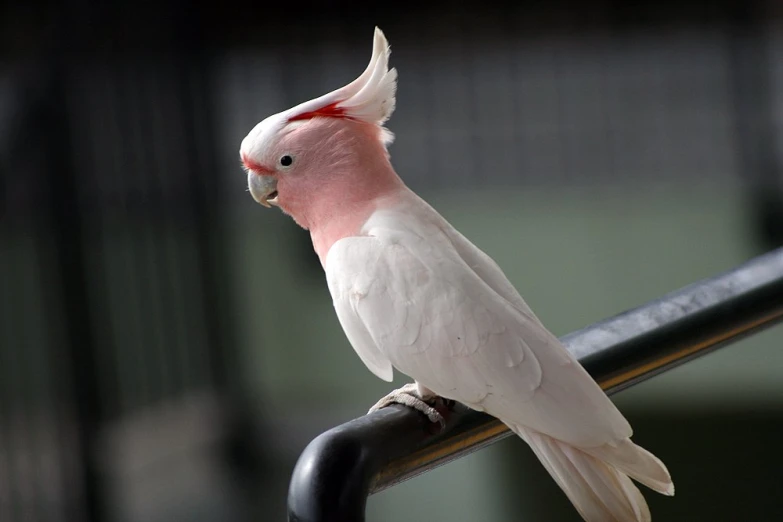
(416, 295)
(350, 261)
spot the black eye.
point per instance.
(286, 160)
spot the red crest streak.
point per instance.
(327, 111)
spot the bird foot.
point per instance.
(410, 395)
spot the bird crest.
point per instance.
(370, 98)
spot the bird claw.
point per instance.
(409, 396)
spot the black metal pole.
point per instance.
(340, 468)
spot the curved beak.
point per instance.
(263, 189)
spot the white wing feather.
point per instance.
(415, 294)
(347, 313)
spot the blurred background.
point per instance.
(168, 347)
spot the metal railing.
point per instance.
(343, 466)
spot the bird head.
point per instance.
(320, 151)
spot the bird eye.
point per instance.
(286, 161)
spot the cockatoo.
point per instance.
(414, 294)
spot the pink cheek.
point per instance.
(289, 188)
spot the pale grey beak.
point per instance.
(263, 189)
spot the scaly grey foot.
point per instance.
(412, 395)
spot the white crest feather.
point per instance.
(369, 98)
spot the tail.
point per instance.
(596, 479)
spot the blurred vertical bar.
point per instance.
(69, 273)
(67, 224)
(192, 51)
(751, 84)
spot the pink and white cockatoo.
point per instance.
(413, 294)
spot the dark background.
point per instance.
(167, 346)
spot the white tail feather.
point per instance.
(637, 463)
(596, 479)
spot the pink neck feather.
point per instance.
(349, 222)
